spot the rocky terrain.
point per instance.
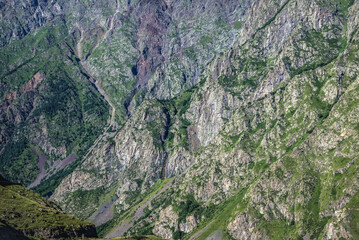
(198, 119)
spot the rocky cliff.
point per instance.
(229, 119)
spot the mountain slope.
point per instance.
(264, 135)
(24, 212)
(231, 119)
(66, 61)
(49, 110)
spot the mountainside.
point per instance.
(198, 119)
(25, 214)
(68, 62)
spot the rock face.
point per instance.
(243, 227)
(249, 107)
(166, 224)
(189, 225)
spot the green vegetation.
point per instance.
(238, 25)
(246, 74)
(272, 18)
(313, 221)
(21, 55)
(182, 131)
(205, 40)
(19, 161)
(228, 81)
(341, 5)
(11, 233)
(73, 113)
(319, 43)
(22, 205)
(46, 188)
(177, 107)
(279, 229)
(25, 212)
(190, 207)
(87, 199)
(190, 53)
(182, 102)
(28, 212)
(234, 142)
(353, 208)
(305, 109)
(64, 108)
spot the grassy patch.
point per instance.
(27, 211)
(19, 162)
(353, 208)
(238, 25)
